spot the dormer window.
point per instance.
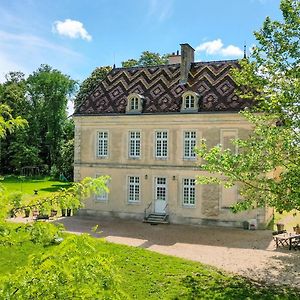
(190, 102)
(134, 104)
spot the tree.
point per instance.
(7, 122)
(267, 167)
(49, 91)
(91, 83)
(67, 158)
(15, 150)
(73, 261)
(146, 59)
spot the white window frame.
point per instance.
(102, 197)
(189, 101)
(101, 151)
(189, 98)
(189, 144)
(162, 151)
(136, 186)
(191, 191)
(157, 185)
(134, 103)
(134, 144)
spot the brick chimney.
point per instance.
(174, 58)
(187, 58)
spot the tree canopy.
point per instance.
(90, 83)
(267, 167)
(42, 100)
(146, 59)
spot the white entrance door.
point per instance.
(160, 194)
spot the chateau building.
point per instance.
(140, 126)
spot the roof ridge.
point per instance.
(178, 64)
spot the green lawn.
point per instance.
(145, 274)
(148, 275)
(289, 219)
(27, 185)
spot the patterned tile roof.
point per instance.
(161, 90)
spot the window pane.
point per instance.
(134, 144)
(161, 144)
(102, 145)
(133, 189)
(188, 191)
(189, 144)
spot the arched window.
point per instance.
(134, 103)
(190, 102)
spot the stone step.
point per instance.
(157, 219)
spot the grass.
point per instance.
(27, 185)
(145, 274)
(289, 219)
(148, 275)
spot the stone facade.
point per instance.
(165, 110)
(208, 208)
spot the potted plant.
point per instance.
(280, 227)
(297, 229)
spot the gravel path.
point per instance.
(248, 253)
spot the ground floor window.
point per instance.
(133, 189)
(188, 191)
(101, 195)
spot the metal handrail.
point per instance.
(166, 206)
(145, 211)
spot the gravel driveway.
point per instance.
(248, 253)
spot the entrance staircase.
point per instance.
(155, 218)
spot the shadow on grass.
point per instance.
(56, 187)
(209, 286)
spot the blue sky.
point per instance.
(77, 36)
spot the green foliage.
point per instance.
(89, 84)
(42, 100)
(73, 270)
(27, 185)
(130, 63)
(66, 166)
(41, 233)
(21, 153)
(75, 263)
(7, 122)
(267, 167)
(235, 289)
(71, 197)
(49, 90)
(146, 59)
(141, 273)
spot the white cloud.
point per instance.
(212, 47)
(25, 52)
(72, 29)
(216, 47)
